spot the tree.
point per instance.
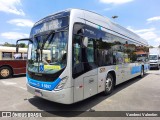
(151, 47)
(22, 45)
(6, 44)
(9, 45)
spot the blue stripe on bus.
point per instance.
(136, 69)
(43, 85)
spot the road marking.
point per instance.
(22, 88)
(12, 84)
(8, 83)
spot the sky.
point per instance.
(140, 16)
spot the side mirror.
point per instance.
(85, 41)
(17, 48)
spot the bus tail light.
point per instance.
(62, 83)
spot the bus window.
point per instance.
(6, 56)
(77, 49)
(18, 56)
(90, 51)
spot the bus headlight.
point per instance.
(61, 84)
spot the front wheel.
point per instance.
(5, 72)
(109, 84)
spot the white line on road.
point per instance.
(8, 83)
(12, 84)
(22, 88)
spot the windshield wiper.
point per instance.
(42, 47)
(44, 41)
(51, 33)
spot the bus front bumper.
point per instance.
(64, 96)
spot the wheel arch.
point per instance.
(113, 73)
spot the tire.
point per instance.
(142, 72)
(5, 72)
(109, 84)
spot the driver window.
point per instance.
(77, 49)
(90, 51)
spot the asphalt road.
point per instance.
(138, 94)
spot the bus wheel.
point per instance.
(5, 72)
(109, 84)
(142, 72)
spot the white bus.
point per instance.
(89, 54)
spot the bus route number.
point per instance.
(46, 86)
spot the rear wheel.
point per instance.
(109, 84)
(5, 72)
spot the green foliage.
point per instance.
(9, 45)
(21, 45)
(151, 47)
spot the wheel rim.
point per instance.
(4, 72)
(108, 84)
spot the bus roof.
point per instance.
(104, 22)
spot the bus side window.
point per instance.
(78, 66)
(90, 51)
(77, 49)
(18, 56)
(6, 56)
(76, 53)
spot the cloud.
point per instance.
(21, 22)
(157, 39)
(14, 35)
(149, 34)
(157, 18)
(115, 1)
(11, 6)
(145, 30)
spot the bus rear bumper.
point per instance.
(64, 96)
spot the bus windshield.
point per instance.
(48, 53)
(153, 57)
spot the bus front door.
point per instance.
(90, 84)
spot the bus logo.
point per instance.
(102, 70)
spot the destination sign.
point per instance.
(50, 25)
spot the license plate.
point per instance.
(38, 93)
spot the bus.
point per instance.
(12, 63)
(88, 54)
